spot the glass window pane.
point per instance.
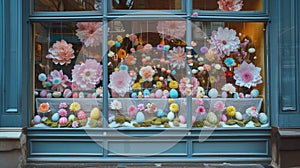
(66, 5)
(68, 74)
(228, 5)
(147, 4)
(147, 62)
(228, 61)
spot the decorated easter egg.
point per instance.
(71, 117)
(140, 117)
(182, 119)
(75, 95)
(158, 93)
(43, 93)
(49, 95)
(111, 118)
(236, 95)
(146, 93)
(251, 50)
(67, 93)
(173, 93)
(81, 115)
(63, 121)
(81, 95)
(36, 119)
(212, 118)
(263, 118)
(134, 95)
(170, 116)
(241, 95)
(213, 93)
(95, 113)
(56, 94)
(160, 113)
(55, 117)
(224, 117)
(224, 94)
(254, 93)
(238, 115)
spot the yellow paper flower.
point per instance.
(171, 100)
(230, 110)
(174, 107)
(120, 38)
(75, 107)
(111, 43)
(136, 86)
(173, 84)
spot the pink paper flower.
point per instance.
(224, 41)
(61, 52)
(75, 124)
(247, 75)
(185, 85)
(219, 106)
(132, 110)
(59, 80)
(151, 108)
(63, 105)
(171, 29)
(141, 107)
(62, 112)
(177, 57)
(200, 110)
(230, 5)
(147, 73)
(87, 75)
(90, 33)
(116, 105)
(120, 82)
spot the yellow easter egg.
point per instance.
(95, 113)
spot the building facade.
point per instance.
(146, 81)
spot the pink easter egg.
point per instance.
(241, 95)
(89, 95)
(81, 115)
(158, 93)
(63, 121)
(193, 119)
(43, 93)
(168, 71)
(67, 93)
(36, 119)
(182, 119)
(152, 95)
(224, 117)
(163, 69)
(75, 95)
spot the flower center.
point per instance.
(247, 77)
(224, 42)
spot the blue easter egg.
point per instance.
(146, 93)
(118, 44)
(160, 113)
(55, 117)
(42, 77)
(173, 93)
(236, 95)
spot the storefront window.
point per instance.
(228, 5)
(147, 4)
(66, 5)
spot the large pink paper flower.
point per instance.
(177, 57)
(224, 41)
(147, 73)
(90, 33)
(247, 75)
(61, 52)
(171, 29)
(188, 88)
(230, 5)
(87, 75)
(120, 82)
(59, 80)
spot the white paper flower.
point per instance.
(247, 75)
(224, 41)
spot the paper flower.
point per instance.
(177, 57)
(75, 124)
(174, 107)
(87, 75)
(44, 107)
(120, 82)
(90, 33)
(247, 75)
(186, 88)
(229, 62)
(147, 73)
(219, 106)
(200, 110)
(59, 80)
(61, 52)
(132, 110)
(228, 87)
(252, 112)
(116, 105)
(230, 5)
(121, 53)
(171, 29)
(62, 112)
(231, 111)
(151, 108)
(63, 105)
(141, 107)
(75, 107)
(224, 41)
